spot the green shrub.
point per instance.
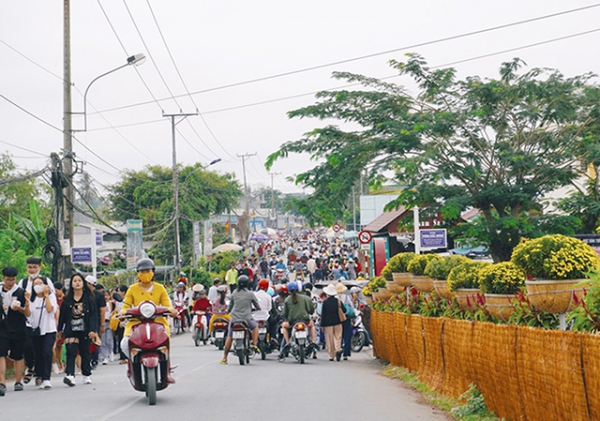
(465, 275)
(399, 262)
(418, 264)
(502, 278)
(440, 268)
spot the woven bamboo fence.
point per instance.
(524, 373)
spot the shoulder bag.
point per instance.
(37, 331)
(341, 312)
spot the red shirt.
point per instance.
(202, 304)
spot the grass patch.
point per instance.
(10, 373)
(471, 408)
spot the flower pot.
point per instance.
(554, 296)
(422, 283)
(500, 305)
(369, 299)
(391, 287)
(402, 279)
(384, 294)
(442, 288)
(466, 296)
(376, 296)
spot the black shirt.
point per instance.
(14, 321)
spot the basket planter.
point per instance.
(466, 295)
(376, 295)
(442, 289)
(554, 296)
(384, 293)
(369, 300)
(422, 283)
(392, 287)
(500, 305)
(402, 279)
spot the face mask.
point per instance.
(146, 277)
(34, 275)
(38, 289)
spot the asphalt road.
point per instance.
(263, 390)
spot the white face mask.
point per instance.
(38, 289)
(34, 275)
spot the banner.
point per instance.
(197, 250)
(135, 246)
(208, 237)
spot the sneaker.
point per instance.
(18, 387)
(69, 381)
(87, 380)
(2, 389)
(345, 358)
(38, 381)
(105, 361)
(28, 375)
(338, 355)
(55, 369)
(46, 385)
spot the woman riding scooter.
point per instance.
(240, 310)
(297, 307)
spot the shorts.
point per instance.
(251, 325)
(12, 345)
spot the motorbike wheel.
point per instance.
(301, 354)
(358, 341)
(220, 344)
(197, 336)
(151, 385)
(262, 345)
(241, 356)
(177, 325)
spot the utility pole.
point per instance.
(67, 140)
(247, 209)
(176, 185)
(273, 174)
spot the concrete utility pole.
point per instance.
(273, 174)
(176, 185)
(247, 209)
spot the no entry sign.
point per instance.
(365, 237)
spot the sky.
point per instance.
(243, 65)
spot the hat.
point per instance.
(222, 288)
(197, 287)
(91, 279)
(330, 290)
(340, 288)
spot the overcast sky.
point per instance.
(224, 42)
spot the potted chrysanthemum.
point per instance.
(500, 282)
(555, 265)
(398, 266)
(416, 267)
(439, 269)
(463, 280)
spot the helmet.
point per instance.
(354, 290)
(222, 288)
(145, 264)
(271, 291)
(283, 289)
(180, 285)
(181, 273)
(243, 281)
(292, 286)
(263, 284)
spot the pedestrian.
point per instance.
(331, 323)
(78, 323)
(212, 291)
(97, 291)
(14, 310)
(346, 324)
(57, 361)
(231, 276)
(43, 306)
(106, 348)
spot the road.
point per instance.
(263, 391)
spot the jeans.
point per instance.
(107, 343)
(43, 346)
(347, 337)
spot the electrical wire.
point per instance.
(24, 149)
(31, 114)
(417, 45)
(31, 61)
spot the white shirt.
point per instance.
(30, 285)
(212, 293)
(265, 303)
(47, 322)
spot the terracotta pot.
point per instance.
(422, 283)
(402, 279)
(464, 296)
(500, 305)
(442, 288)
(554, 296)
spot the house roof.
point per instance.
(382, 221)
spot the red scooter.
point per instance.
(148, 366)
(179, 320)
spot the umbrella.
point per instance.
(226, 247)
(261, 238)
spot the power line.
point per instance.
(417, 45)
(31, 61)
(24, 149)
(31, 114)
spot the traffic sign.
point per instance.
(365, 237)
(337, 227)
(81, 254)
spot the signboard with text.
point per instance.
(135, 242)
(81, 255)
(433, 239)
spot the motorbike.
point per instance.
(279, 275)
(360, 337)
(179, 320)
(266, 344)
(200, 328)
(219, 332)
(148, 365)
(300, 346)
(241, 342)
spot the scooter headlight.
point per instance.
(147, 310)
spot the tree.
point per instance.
(148, 195)
(497, 145)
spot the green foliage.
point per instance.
(418, 264)
(465, 275)
(12, 255)
(497, 145)
(433, 305)
(474, 404)
(386, 272)
(527, 315)
(555, 257)
(502, 278)
(399, 262)
(440, 268)
(221, 261)
(586, 317)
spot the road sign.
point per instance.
(98, 238)
(433, 239)
(337, 227)
(365, 237)
(81, 255)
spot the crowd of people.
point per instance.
(46, 329)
